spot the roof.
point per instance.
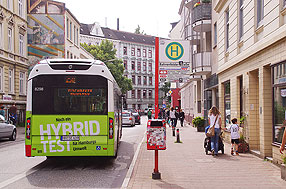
(119, 35)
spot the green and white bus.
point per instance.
(73, 109)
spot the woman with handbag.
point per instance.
(215, 127)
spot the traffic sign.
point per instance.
(163, 72)
(174, 51)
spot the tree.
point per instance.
(138, 31)
(107, 54)
(166, 88)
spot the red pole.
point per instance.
(156, 77)
(156, 169)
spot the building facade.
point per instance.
(13, 56)
(53, 32)
(251, 43)
(138, 54)
(200, 93)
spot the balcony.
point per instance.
(194, 77)
(202, 63)
(201, 17)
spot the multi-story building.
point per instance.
(13, 55)
(53, 32)
(200, 92)
(138, 54)
(251, 44)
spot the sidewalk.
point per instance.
(186, 165)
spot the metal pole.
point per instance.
(156, 77)
(156, 174)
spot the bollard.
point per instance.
(178, 136)
(173, 128)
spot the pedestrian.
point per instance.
(2, 111)
(182, 117)
(13, 113)
(173, 117)
(149, 113)
(282, 147)
(234, 133)
(215, 121)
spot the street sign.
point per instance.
(163, 80)
(174, 51)
(164, 106)
(163, 72)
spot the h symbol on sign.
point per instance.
(174, 51)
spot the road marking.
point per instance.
(16, 178)
(132, 165)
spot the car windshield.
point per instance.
(125, 115)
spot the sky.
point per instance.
(153, 16)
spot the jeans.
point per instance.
(174, 122)
(214, 141)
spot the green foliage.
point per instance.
(107, 54)
(283, 157)
(138, 31)
(206, 1)
(242, 119)
(198, 121)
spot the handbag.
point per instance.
(211, 130)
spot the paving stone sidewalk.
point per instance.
(186, 165)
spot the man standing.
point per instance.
(182, 117)
(13, 113)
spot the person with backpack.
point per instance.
(149, 114)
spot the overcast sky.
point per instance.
(153, 16)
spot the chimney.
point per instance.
(118, 24)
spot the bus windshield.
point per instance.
(69, 95)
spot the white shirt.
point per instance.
(234, 131)
(172, 114)
(212, 120)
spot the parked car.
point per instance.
(7, 130)
(137, 118)
(128, 119)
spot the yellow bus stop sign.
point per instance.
(174, 51)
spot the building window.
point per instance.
(145, 80)
(10, 4)
(139, 94)
(260, 12)
(138, 52)
(133, 79)
(77, 36)
(215, 34)
(139, 80)
(133, 94)
(150, 67)
(144, 52)
(150, 81)
(150, 54)
(68, 54)
(74, 34)
(132, 51)
(70, 30)
(125, 64)
(21, 44)
(22, 83)
(227, 29)
(68, 33)
(11, 81)
(279, 104)
(21, 9)
(138, 66)
(10, 39)
(144, 66)
(1, 79)
(144, 94)
(1, 35)
(71, 56)
(240, 17)
(133, 65)
(150, 94)
(227, 103)
(124, 50)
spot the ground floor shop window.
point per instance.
(279, 112)
(227, 103)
